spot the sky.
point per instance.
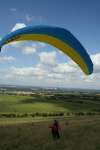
(40, 64)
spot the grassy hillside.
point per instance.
(76, 134)
(28, 104)
(24, 104)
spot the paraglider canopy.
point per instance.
(58, 37)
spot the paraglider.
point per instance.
(58, 37)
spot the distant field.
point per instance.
(77, 133)
(28, 104)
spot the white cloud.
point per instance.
(95, 76)
(14, 71)
(7, 58)
(96, 61)
(29, 50)
(33, 48)
(28, 72)
(18, 26)
(48, 58)
(56, 76)
(62, 74)
(65, 68)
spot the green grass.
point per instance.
(28, 104)
(79, 133)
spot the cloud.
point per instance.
(65, 68)
(69, 73)
(96, 61)
(28, 50)
(6, 58)
(96, 58)
(15, 71)
(33, 48)
(26, 72)
(61, 74)
(95, 76)
(58, 72)
(48, 58)
(18, 26)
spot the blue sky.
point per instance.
(20, 62)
